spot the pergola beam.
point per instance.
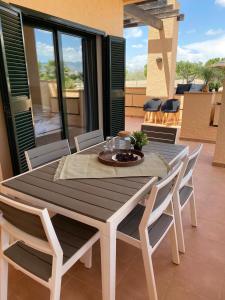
(143, 16)
(151, 4)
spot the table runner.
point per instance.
(77, 166)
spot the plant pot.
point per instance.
(136, 147)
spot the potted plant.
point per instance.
(211, 86)
(217, 85)
(208, 75)
(140, 140)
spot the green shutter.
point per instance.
(114, 84)
(15, 87)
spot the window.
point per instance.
(63, 93)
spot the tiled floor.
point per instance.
(200, 276)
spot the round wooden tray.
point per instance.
(105, 157)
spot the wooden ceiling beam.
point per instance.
(143, 16)
(151, 4)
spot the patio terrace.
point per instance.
(201, 274)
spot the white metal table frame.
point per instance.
(108, 229)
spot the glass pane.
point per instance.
(73, 85)
(43, 85)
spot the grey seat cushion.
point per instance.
(185, 193)
(130, 225)
(72, 235)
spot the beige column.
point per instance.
(162, 53)
(219, 155)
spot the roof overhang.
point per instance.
(149, 12)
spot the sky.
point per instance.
(72, 50)
(201, 34)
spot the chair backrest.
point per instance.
(160, 134)
(172, 105)
(189, 165)
(160, 198)
(43, 154)
(28, 224)
(89, 139)
(154, 103)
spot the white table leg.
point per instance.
(108, 262)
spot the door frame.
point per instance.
(58, 26)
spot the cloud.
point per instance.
(137, 46)
(220, 2)
(45, 51)
(202, 51)
(135, 32)
(136, 62)
(70, 54)
(215, 31)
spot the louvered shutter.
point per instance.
(114, 84)
(15, 88)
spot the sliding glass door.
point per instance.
(73, 85)
(41, 63)
(63, 93)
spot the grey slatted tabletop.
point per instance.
(96, 198)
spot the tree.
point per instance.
(47, 71)
(207, 74)
(213, 61)
(187, 70)
(218, 74)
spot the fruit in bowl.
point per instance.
(125, 157)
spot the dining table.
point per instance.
(102, 203)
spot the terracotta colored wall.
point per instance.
(135, 98)
(99, 14)
(106, 15)
(5, 160)
(219, 156)
(197, 115)
(162, 44)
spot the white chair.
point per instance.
(43, 248)
(146, 226)
(44, 154)
(184, 195)
(89, 139)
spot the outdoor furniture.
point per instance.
(152, 109)
(43, 248)
(188, 87)
(160, 134)
(170, 107)
(146, 226)
(101, 203)
(185, 194)
(89, 139)
(41, 155)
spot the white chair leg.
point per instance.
(174, 246)
(193, 211)
(149, 273)
(178, 223)
(55, 290)
(4, 267)
(56, 280)
(86, 259)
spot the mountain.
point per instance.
(74, 66)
